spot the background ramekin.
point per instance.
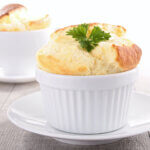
(86, 104)
(18, 49)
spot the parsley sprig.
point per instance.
(97, 35)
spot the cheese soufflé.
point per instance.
(15, 17)
(89, 49)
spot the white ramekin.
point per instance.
(86, 104)
(18, 49)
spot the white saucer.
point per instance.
(27, 113)
(17, 78)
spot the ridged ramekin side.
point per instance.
(86, 111)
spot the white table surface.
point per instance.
(14, 138)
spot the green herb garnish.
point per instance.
(97, 35)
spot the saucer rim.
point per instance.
(17, 78)
(81, 137)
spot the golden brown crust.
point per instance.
(41, 23)
(122, 28)
(9, 8)
(61, 29)
(115, 29)
(128, 57)
(64, 55)
(53, 64)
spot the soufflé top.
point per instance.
(89, 49)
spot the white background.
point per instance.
(134, 15)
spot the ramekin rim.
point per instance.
(89, 76)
